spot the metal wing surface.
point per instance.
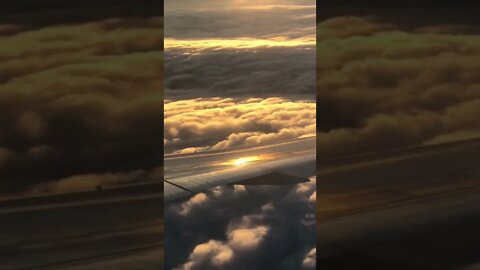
(279, 163)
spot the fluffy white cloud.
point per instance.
(309, 261)
(307, 190)
(268, 207)
(213, 252)
(195, 200)
(217, 191)
(243, 236)
(254, 221)
(242, 239)
(239, 189)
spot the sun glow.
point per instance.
(242, 161)
(240, 43)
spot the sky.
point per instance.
(81, 99)
(396, 75)
(240, 73)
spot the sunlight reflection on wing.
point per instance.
(242, 161)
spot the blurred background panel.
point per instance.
(81, 128)
(397, 106)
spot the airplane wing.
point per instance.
(415, 208)
(287, 162)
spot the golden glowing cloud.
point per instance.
(238, 43)
(218, 123)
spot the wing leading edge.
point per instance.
(283, 171)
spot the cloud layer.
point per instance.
(248, 72)
(231, 52)
(257, 20)
(216, 123)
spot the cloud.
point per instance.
(239, 188)
(306, 189)
(217, 191)
(247, 233)
(380, 82)
(214, 72)
(310, 259)
(247, 238)
(268, 207)
(213, 252)
(217, 123)
(197, 199)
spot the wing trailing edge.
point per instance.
(273, 178)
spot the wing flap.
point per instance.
(274, 178)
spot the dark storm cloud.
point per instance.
(80, 100)
(242, 228)
(380, 87)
